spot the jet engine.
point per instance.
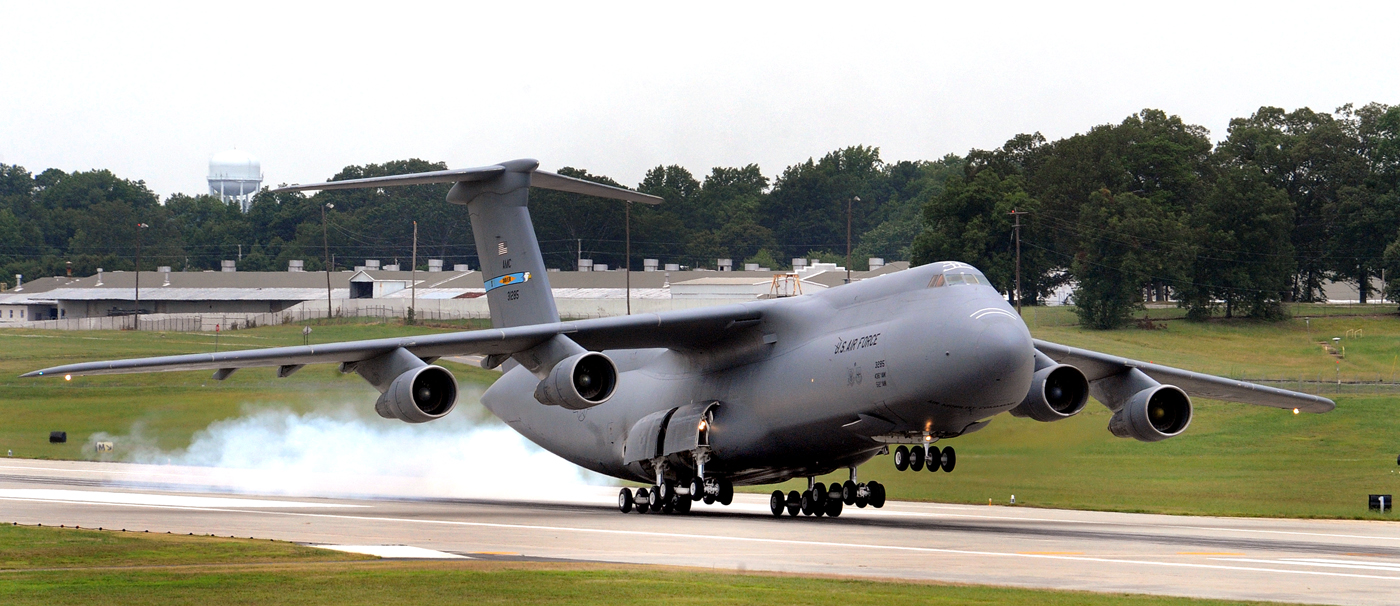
(1057, 392)
(419, 395)
(579, 381)
(1153, 414)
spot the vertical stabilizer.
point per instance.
(512, 268)
(497, 197)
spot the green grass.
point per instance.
(1234, 460)
(65, 566)
(31, 547)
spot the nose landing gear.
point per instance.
(920, 456)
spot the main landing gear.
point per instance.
(666, 497)
(827, 500)
(916, 458)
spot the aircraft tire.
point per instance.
(624, 500)
(848, 490)
(726, 492)
(949, 459)
(682, 504)
(654, 500)
(819, 494)
(833, 508)
(709, 499)
(916, 458)
(697, 489)
(794, 503)
(643, 500)
(806, 502)
(901, 458)
(935, 456)
(877, 495)
(837, 493)
(776, 503)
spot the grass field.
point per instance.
(67, 566)
(1234, 460)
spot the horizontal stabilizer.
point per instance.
(538, 178)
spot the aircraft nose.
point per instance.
(1003, 346)
(1005, 356)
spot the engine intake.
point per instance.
(580, 381)
(1057, 392)
(1153, 414)
(419, 395)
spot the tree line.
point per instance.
(1144, 209)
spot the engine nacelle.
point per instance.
(1057, 392)
(1153, 414)
(579, 381)
(419, 395)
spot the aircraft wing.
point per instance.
(679, 329)
(1096, 366)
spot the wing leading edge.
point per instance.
(679, 330)
(1096, 366)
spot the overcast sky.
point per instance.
(151, 91)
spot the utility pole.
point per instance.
(325, 244)
(627, 265)
(1017, 227)
(848, 236)
(413, 279)
(136, 315)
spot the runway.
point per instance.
(1333, 562)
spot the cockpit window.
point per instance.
(954, 278)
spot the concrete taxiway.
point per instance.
(1314, 561)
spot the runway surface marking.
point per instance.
(676, 535)
(130, 498)
(1325, 563)
(403, 552)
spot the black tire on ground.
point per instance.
(654, 499)
(818, 493)
(682, 503)
(624, 500)
(806, 502)
(877, 495)
(901, 458)
(643, 500)
(667, 489)
(697, 489)
(837, 493)
(833, 508)
(916, 458)
(794, 503)
(777, 503)
(848, 490)
(862, 501)
(709, 499)
(932, 459)
(950, 459)
(726, 492)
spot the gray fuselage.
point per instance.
(892, 350)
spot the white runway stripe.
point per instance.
(1324, 563)
(166, 500)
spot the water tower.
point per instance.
(234, 176)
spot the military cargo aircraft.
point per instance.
(694, 402)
